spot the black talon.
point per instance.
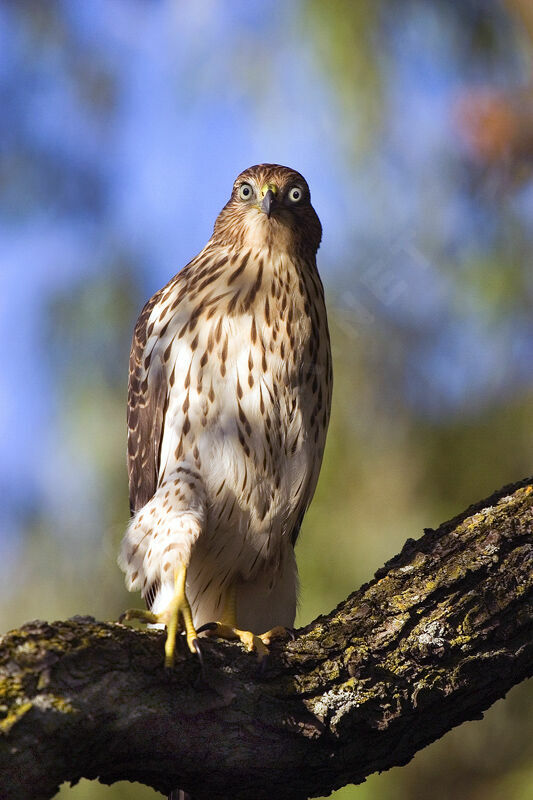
(208, 626)
(201, 680)
(196, 645)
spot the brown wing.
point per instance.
(146, 412)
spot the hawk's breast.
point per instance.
(246, 361)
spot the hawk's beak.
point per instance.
(268, 194)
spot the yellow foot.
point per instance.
(278, 632)
(177, 617)
(252, 641)
(141, 614)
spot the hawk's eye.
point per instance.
(245, 192)
(295, 194)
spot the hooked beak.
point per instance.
(268, 193)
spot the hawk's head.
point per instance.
(270, 206)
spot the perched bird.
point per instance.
(228, 407)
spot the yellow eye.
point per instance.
(245, 191)
(295, 194)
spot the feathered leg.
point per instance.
(156, 552)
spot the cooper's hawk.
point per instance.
(229, 400)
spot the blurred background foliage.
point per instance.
(123, 126)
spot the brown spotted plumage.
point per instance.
(228, 407)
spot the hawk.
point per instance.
(229, 400)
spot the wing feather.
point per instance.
(148, 390)
(146, 411)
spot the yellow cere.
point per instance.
(272, 186)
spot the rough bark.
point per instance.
(442, 631)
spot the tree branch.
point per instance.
(442, 631)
